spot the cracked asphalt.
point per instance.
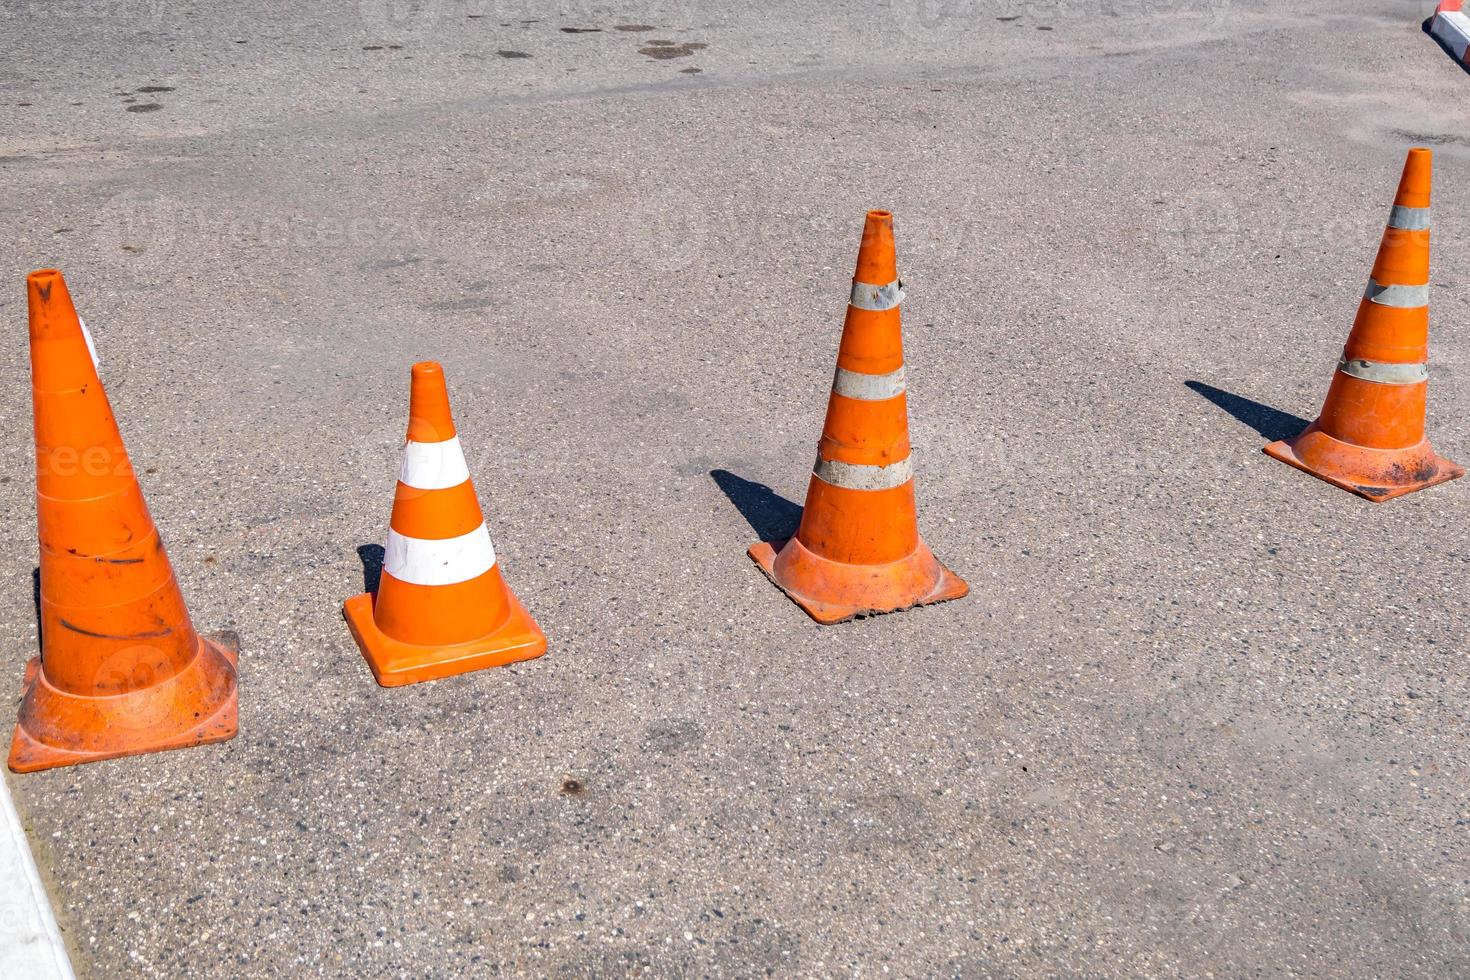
(1200, 714)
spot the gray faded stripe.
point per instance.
(855, 476)
(866, 296)
(1384, 372)
(1403, 297)
(1408, 219)
(868, 387)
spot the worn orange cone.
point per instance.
(1369, 438)
(442, 607)
(858, 549)
(121, 670)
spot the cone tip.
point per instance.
(876, 262)
(1415, 184)
(429, 415)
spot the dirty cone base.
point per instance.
(145, 720)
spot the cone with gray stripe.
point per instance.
(1369, 438)
(858, 549)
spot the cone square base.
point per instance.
(31, 754)
(1441, 471)
(948, 586)
(395, 663)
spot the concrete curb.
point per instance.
(30, 943)
(1451, 27)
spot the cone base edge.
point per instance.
(396, 664)
(948, 587)
(1283, 451)
(28, 754)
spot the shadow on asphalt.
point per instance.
(771, 515)
(372, 565)
(1271, 423)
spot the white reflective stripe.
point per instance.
(91, 348)
(868, 387)
(1453, 28)
(433, 465)
(30, 943)
(1403, 297)
(448, 561)
(866, 296)
(1408, 219)
(1384, 372)
(855, 476)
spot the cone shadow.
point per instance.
(1270, 422)
(771, 515)
(371, 556)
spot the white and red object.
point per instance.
(1451, 27)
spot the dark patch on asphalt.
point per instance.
(666, 50)
(459, 305)
(673, 734)
(1438, 139)
(1007, 20)
(572, 787)
(383, 265)
(635, 28)
(156, 88)
(581, 30)
(513, 54)
(145, 107)
(153, 635)
(690, 71)
(372, 47)
(1042, 27)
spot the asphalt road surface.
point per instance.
(1201, 714)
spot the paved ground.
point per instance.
(1201, 714)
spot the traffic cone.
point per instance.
(858, 549)
(1369, 438)
(442, 607)
(121, 670)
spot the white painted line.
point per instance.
(30, 943)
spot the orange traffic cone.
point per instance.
(121, 670)
(1369, 438)
(858, 549)
(442, 607)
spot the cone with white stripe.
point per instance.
(1369, 438)
(442, 607)
(858, 551)
(121, 670)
